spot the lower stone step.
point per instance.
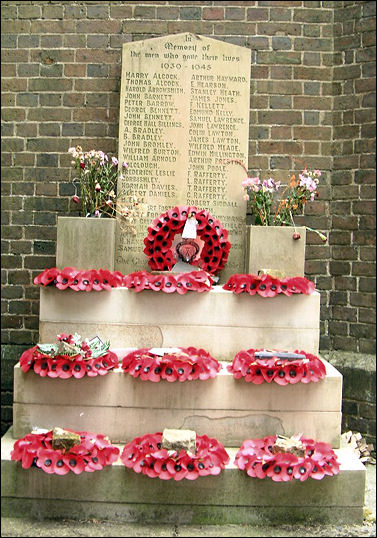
(231, 497)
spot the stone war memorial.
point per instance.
(182, 383)
(184, 111)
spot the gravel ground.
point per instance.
(29, 527)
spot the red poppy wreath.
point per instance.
(266, 457)
(258, 366)
(158, 243)
(79, 280)
(70, 357)
(267, 286)
(172, 364)
(181, 282)
(147, 456)
(77, 452)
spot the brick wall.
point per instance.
(353, 180)
(311, 102)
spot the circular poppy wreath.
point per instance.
(256, 457)
(283, 371)
(181, 282)
(181, 364)
(63, 366)
(80, 280)
(145, 455)
(92, 454)
(163, 229)
(267, 286)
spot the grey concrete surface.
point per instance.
(28, 527)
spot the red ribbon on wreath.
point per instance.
(145, 455)
(163, 229)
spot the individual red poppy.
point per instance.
(294, 371)
(156, 282)
(47, 459)
(141, 281)
(302, 469)
(65, 277)
(169, 373)
(282, 469)
(42, 366)
(169, 284)
(74, 462)
(266, 286)
(48, 276)
(64, 368)
(95, 461)
(87, 280)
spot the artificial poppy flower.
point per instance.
(42, 366)
(156, 282)
(46, 459)
(77, 281)
(264, 287)
(47, 277)
(95, 461)
(302, 469)
(64, 368)
(294, 371)
(74, 462)
(169, 284)
(281, 470)
(87, 280)
(169, 373)
(66, 277)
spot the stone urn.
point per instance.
(86, 243)
(276, 249)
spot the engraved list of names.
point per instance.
(184, 111)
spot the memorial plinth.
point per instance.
(184, 110)
(219, 321)
(231, 497)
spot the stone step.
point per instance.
(231, 497)
(229, 409)
(218, 321)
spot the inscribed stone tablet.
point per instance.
(184, 111)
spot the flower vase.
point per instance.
(276, 249)
(85, 243)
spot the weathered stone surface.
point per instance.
(273, 249)
(219, 321)
(123, 407)
(85, 243)
(184, 110)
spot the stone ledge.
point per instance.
(122, 407)
(231, 497)
(218, 321)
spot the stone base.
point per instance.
(231, 497)
(219, 321)
(230, 410)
